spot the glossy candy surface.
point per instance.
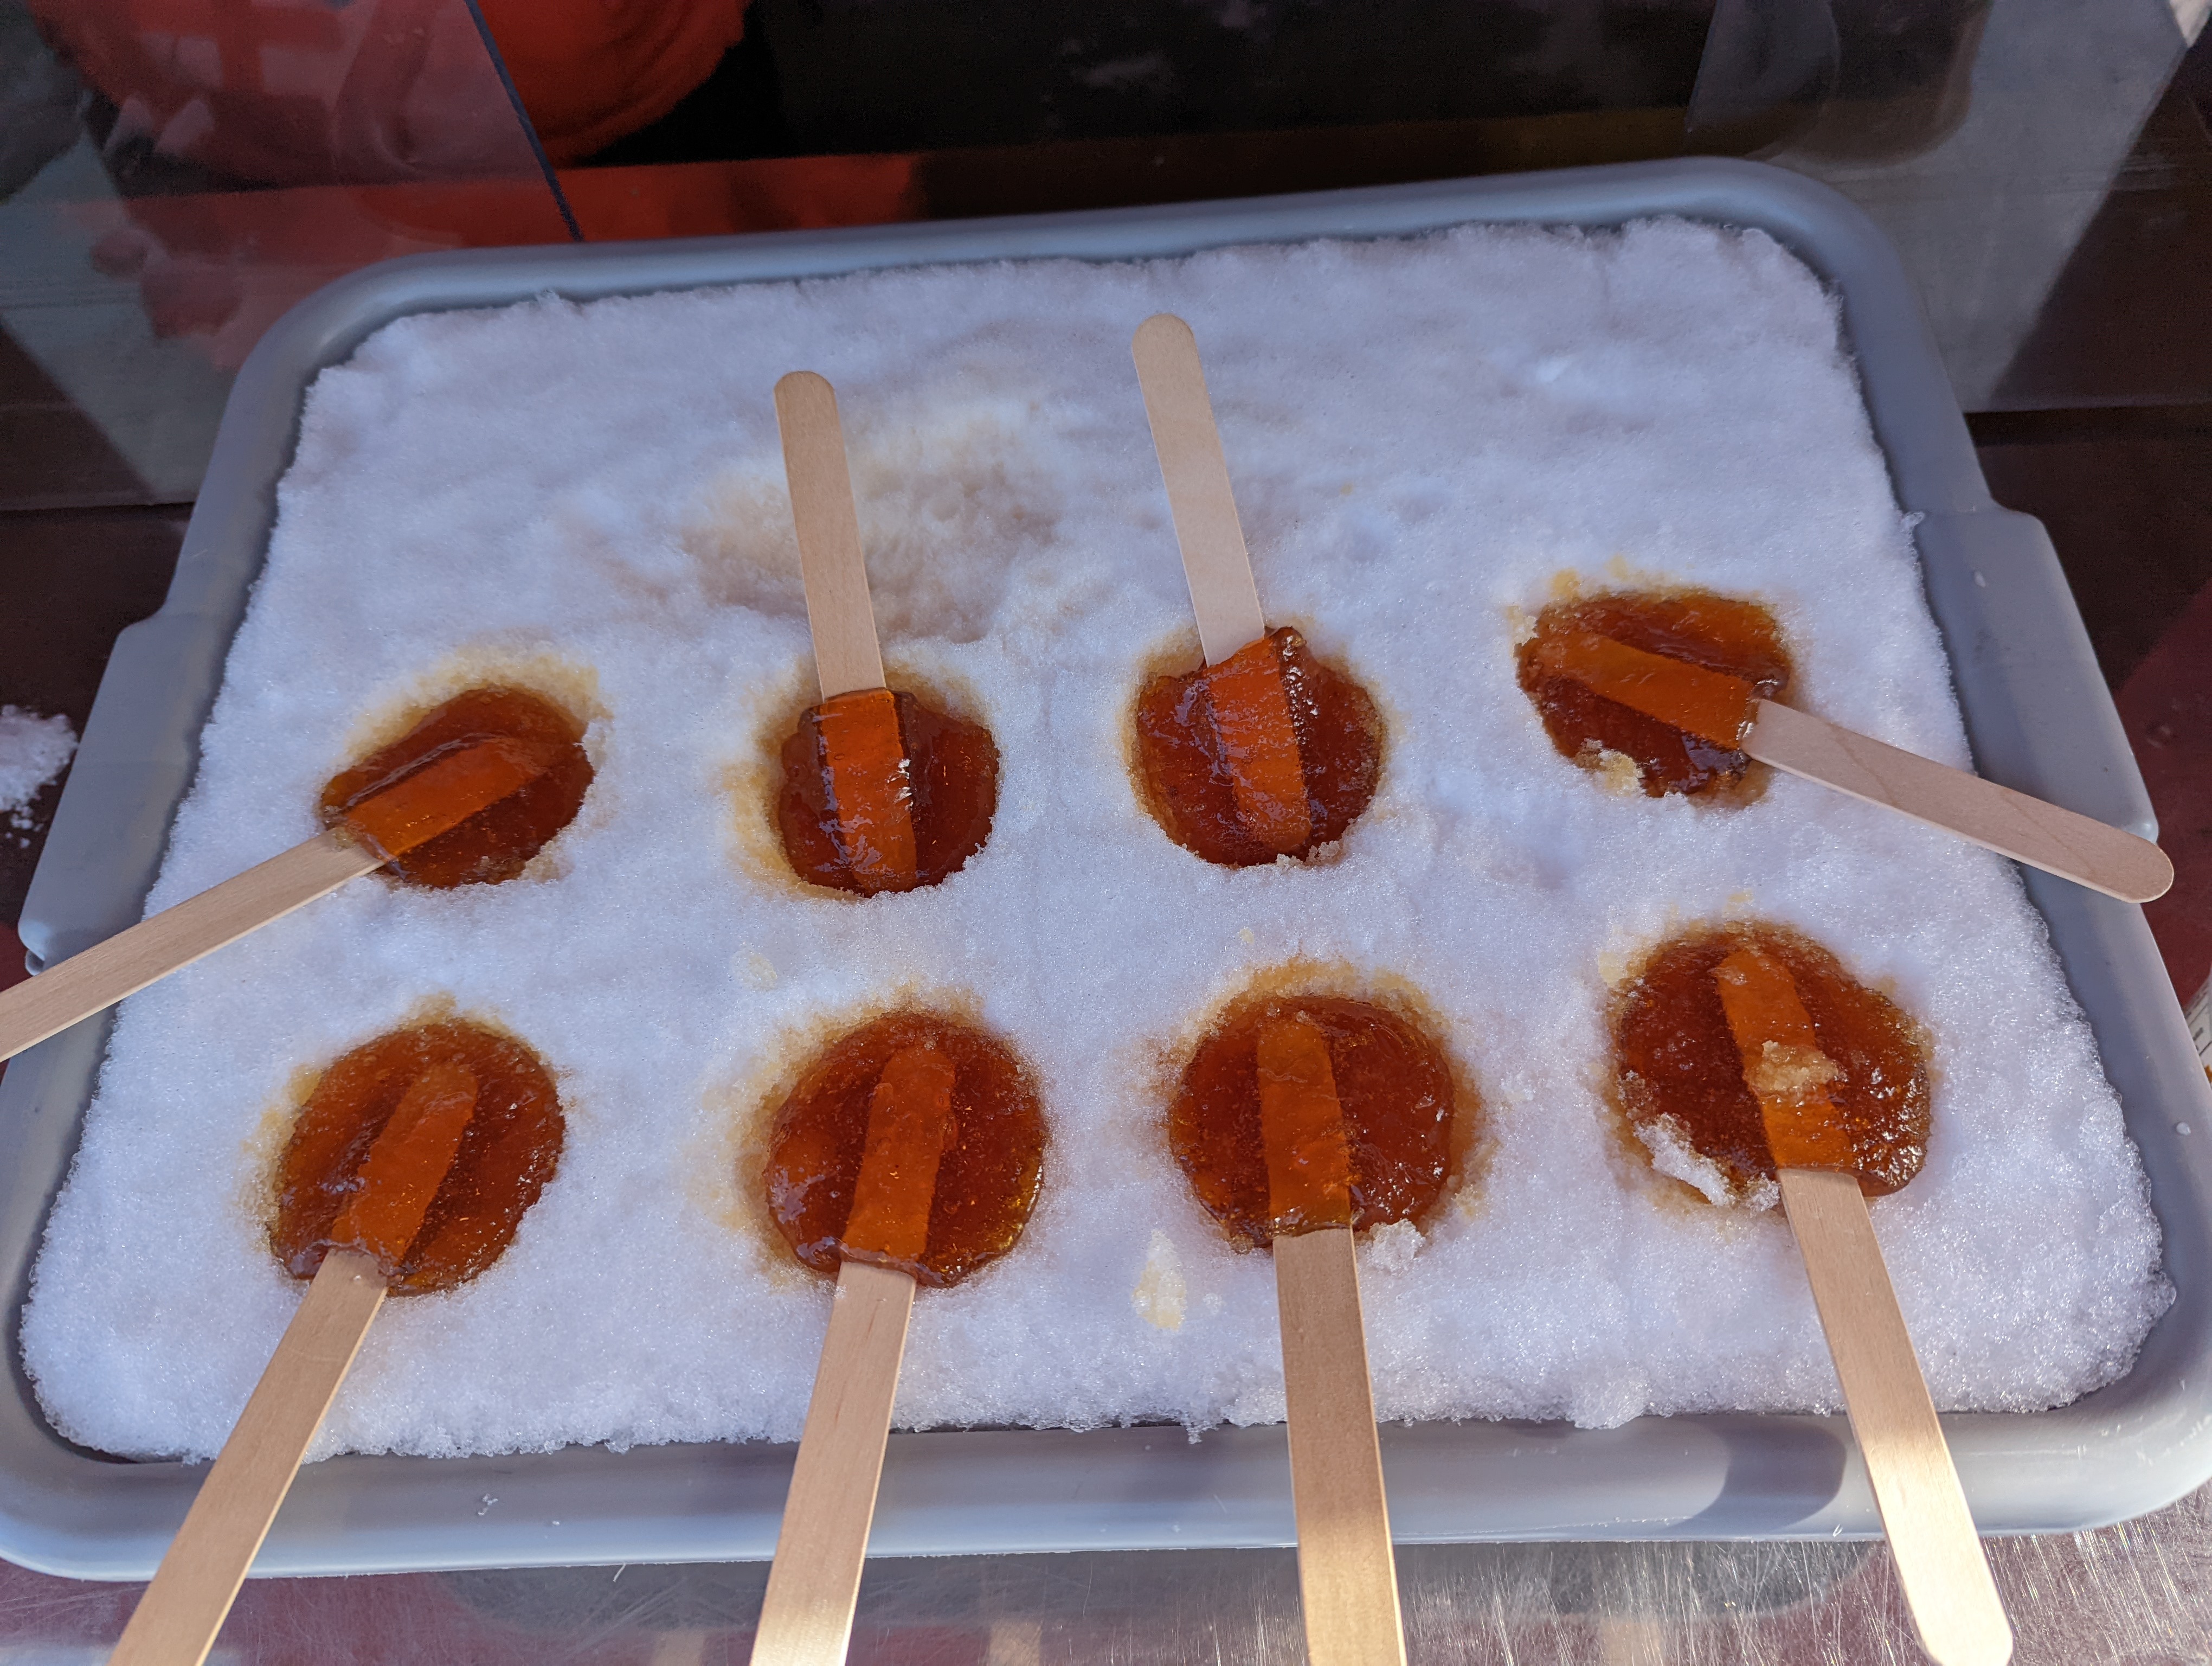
(908, 821)
(406, 1164)
(988, 1159)
(1705, 705)
(1701, 630)
(1392, 1086)
(1676, 1055)
(870, 783)
(1213, 767)
(1784, 1065)
(1302, 1134)
(425, 1148)
(447, 753)
(455, 783)
(1248, 696)
(910, 1125)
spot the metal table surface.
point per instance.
(2053, 196)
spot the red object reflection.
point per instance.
(592, 71)
(222, 266)
(298, 92)
(329, 138)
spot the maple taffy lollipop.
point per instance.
(1686, 687)
(1267, 750)
(467, 796)
(1299, 1121)
(408, 1170)
(1755, 1050)
(910, 1152)
(881, 791)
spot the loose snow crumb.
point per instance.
(1673, 1155)
(1392, 1248)
(1160, 1292)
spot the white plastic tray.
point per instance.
(2036, 710)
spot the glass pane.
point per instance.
(174, 175)
(1986, 141)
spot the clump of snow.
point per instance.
(33, 749)
(1675, 1157)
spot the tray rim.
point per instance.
(2117, 1452)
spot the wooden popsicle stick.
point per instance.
(847, 656)
(2074, 847)
(863, 749)
(178, 1619)
(1725, 710)
(1348, 1575)
(806, 1618)
(400, 816)
(1940, 1563)
(96, 978)
(1214, 559)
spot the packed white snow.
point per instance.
(33, 749)
(1423, 435)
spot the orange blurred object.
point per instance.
(306, 92)
(450, 761)
(299, 92)
(768, 193)
(591, 71)
(337, 136)
(224, 265)
(450, 1126)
